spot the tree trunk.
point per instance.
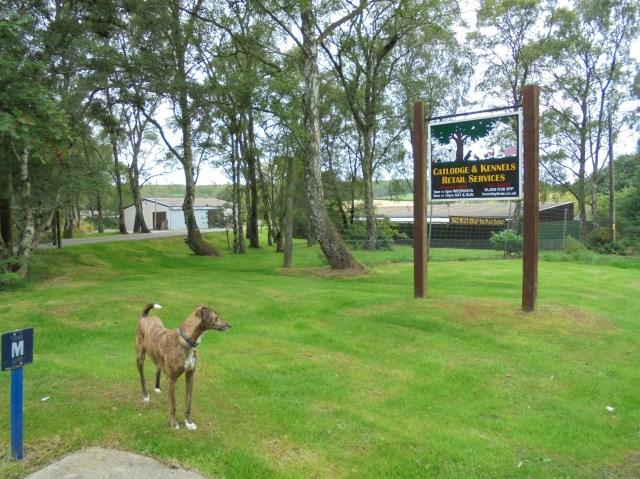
(582, 206)
(288, 213)
(459, 139)
(25, 248)
(274, 232)
(253, 234)
(238, 234)
(594, 200)
(194, 238)
(68, 218)
(369, 210)
(139, 225)
(100, 213)
(325, 231)
(122, 227)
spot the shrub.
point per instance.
(357, 232)
(620, 248)
(8, 271)
(508, 241)
(572, 245)
(599, 237)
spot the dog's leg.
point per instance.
(190, 377)
(141, 355)
(157, 388)
(171, 382)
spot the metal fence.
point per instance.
(553, 234)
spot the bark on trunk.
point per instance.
(68, 218)
(325, 231)
(238, 234)
(288, 213)
(25, 248)
(122, 227)
(253, 234)
(369, 210)
(194, 238)
(140, 225)
(100, 214)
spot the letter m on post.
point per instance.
(17, 349)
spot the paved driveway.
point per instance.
(119, 237)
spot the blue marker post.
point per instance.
(16, 413)
(17, 350)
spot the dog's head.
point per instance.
(211, 318)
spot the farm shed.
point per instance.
(470, 225)
(166, 213)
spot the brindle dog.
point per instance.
(174, 352)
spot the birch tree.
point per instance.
(591, 71)
(166, 62)
(302, 27)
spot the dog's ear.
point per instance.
(205, 313)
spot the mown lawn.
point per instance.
(326, 376)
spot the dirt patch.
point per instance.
(326, 272)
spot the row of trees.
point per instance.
(302, 103)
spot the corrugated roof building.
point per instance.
(167, 214)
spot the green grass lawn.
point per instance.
(326, 376)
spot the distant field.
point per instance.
(332, 376)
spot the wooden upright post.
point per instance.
(531, 143)
(419, 202)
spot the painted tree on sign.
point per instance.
(461, 132)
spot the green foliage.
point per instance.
(356, 233)
(8, 275)
(599, 237)
(391, 229)
(620, 248)
(508, 241)
(600, 241)
(30, 115)
(572, 245)
(472, 129)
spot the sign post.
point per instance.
(531, 99)
(17, 350)
(420, 256)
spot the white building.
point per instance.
(167, 214)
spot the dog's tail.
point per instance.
(148, 308)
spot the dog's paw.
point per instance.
(176, 426)
(157, 390)
(145, 398)
(191, 426)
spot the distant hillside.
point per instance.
(221, 192)
(394, 189)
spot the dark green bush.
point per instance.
(356, 233)
(508, 241)
(8, 271)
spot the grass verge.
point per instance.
(329, 376)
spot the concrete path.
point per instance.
(99, 463)
(119, 237)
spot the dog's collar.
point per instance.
(189, 342)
